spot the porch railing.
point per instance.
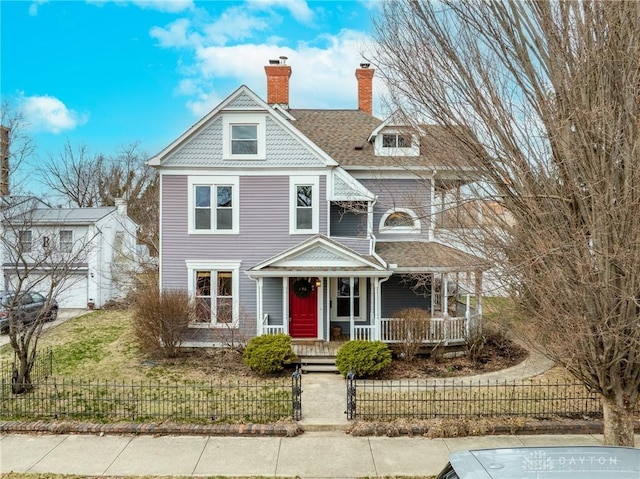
(272, 329)
(441, 329)
(365, 333)
(452, 329)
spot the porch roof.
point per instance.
(319, 256)
(416, 256)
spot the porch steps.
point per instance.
(317, 364)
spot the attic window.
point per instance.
(244, 139)
(395, 140)
(400, 221)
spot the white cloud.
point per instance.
(169, 6)
(297, 8)
(235, 24)
(233, 48)
(47, 113)
(175, 35)
(322, 76)
(33, 8)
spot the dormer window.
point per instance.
(400, 220)
(395, 140)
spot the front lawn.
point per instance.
(101, 346)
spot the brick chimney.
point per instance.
(278, 73)
(4, 161)
(364, 74)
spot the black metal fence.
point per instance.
(42, 369)
(105, 401)
(387, 400)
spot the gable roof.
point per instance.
(241, 100)
(47, 216)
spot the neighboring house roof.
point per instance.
(414, 256)
(45, 216)
(345, 134)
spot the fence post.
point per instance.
(296, 394)
(351, 396)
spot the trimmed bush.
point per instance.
(268, 354)
(363, 358)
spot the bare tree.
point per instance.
(84, 179)
(548, 97)
(74, 174)
(33, 260)
(19, 148)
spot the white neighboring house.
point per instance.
(92, 249)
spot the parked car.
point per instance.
(31, 306)
(584, 462)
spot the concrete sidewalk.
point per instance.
(312, 455)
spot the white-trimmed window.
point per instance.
(214, 205)
(66, 241)
(214, 287)
(304, 204)
(395, 140)
(341, 299)
(400, 220)
(25, 240)
(244, 137)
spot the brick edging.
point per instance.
(63, 427)
(530, 428)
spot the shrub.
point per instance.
(412, 329)
(363, 358)
(269, 353)
(161, 320)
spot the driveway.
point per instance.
(63, 315)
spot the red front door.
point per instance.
(303, 308)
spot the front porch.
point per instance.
(449, 330)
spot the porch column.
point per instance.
(478, 292)
(285, 305)
(352, 323)
(259, 306)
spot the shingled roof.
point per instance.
(344, 135)
(428, 256)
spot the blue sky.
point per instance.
(108, 73)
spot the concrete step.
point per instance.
(317, 360)
(319, 368)
(318, 364)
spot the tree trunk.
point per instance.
(618, 422)
(21, 377)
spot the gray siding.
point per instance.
(414, 194)
(282, 149)
(347, 223)
(272, 300)
(396, 295)
(264, 232)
